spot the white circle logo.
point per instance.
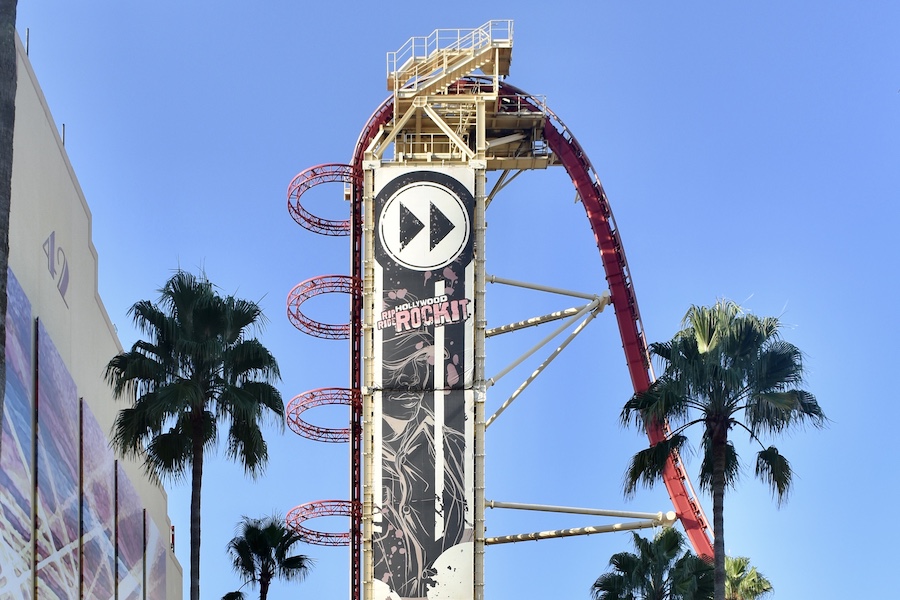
(424, 226)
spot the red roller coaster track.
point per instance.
(313, 399)
(320, 508)
(310, 178)
(316, 286)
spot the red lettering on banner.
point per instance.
(429, 312)
(441, 315)
(402, 320)
(464, 307)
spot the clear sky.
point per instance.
(749, 150)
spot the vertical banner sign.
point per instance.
(424, 405)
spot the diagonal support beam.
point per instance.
(559, 533)
(544, 364)
(458, 141)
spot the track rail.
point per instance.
(316, 286)
(310, 178)
(314, 399)
(320, 508)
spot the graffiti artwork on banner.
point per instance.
(424, 349)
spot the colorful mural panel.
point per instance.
(156, 562)
(16, 488)
(129, 538)
(424, 341)
(98, 550)
(57, 475)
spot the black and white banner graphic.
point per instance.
(424, 350)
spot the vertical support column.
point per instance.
(480, 323)
(368, 200)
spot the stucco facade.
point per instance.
(53, 266)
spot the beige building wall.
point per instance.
(47, 199)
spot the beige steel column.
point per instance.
(368, 568)
(479, 164)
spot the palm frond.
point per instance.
(249, 359)
(169, 454)
(660, 568)
(732, 465)
(246, 445)
(665, 400)
(774, 412)
(611, 586)
(647, 466)
(775, 470)
(744, 581)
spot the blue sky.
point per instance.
(749, 150)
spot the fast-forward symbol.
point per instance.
(439, 228)
(424, 226)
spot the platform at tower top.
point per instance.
(429, 64)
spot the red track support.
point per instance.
(320, 508)
(310, 178)
(317, 286)
(320, 397)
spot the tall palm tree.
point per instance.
(260, 553)
(724, 370)
(661, 570)
(743, 582)
(8, 85)
(198, 367)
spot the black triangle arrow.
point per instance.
(410, 226)
(441, 226)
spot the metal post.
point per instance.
(480, 324)
(368, 495)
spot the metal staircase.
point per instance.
(429, 65)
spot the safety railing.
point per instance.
(421, 48)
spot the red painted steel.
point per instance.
(379, 118)
(316, 286)
(320, 508)
(313, 399)
(310, 178)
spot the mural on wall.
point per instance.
(16, 455)
(424, 340)
(156, 561)
(66, 430)
(57, 475)
(98, 510)
(129, 537)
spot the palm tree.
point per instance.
(743, 582)
(724, 364)
(661, 570)
(259, 554)
(8, 85)
(199, 367)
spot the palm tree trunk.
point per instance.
(264, 588)
(196, 478)
(719, 441)
(8, 84)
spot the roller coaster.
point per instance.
(451, 107)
